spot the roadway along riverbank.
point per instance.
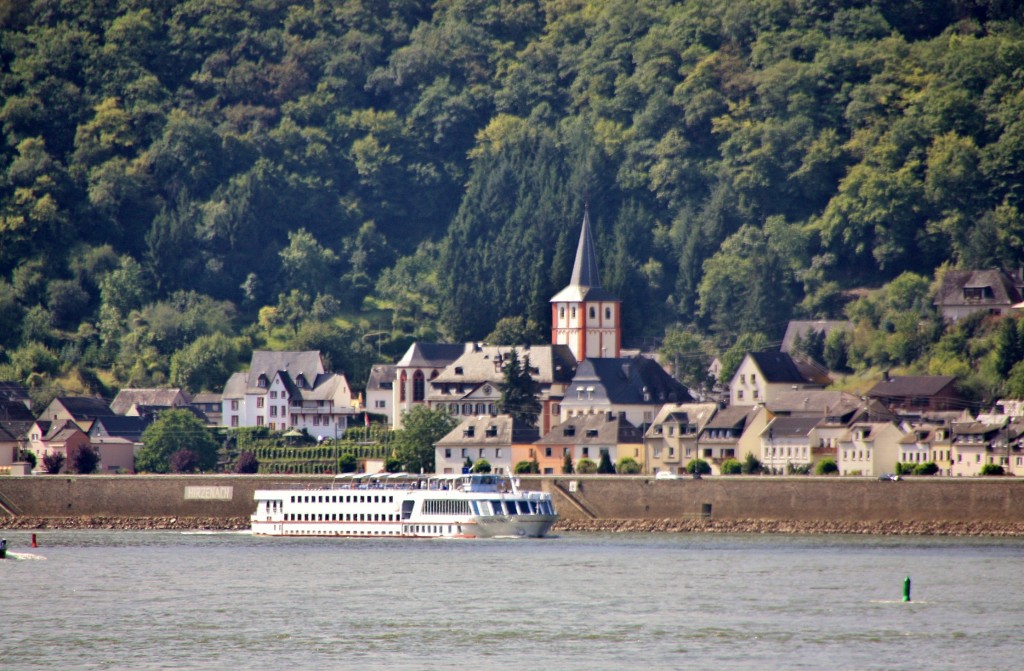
(880, 528)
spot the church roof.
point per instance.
(585, 283)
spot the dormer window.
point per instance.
(492, 431)
(261, 381)
(300, 381)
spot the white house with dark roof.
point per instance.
(964, 292)
(289, 390)
(380, 390)
(762, 375)
(636, 386)
(869, 448)
(471, 385)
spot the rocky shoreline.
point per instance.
(878, 528)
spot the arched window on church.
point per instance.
(593, 313)
(417, 386)
(401, 387)
(561, 312)
(574, 312)
(607, 313)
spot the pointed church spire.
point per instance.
(585, 271)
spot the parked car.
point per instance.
(665, 475)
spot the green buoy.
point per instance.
(906, 589)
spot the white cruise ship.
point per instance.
(399, 505)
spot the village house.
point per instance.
(15, 421)
(788, 442)
(926, 443)
(116, 440)
(915, 395)
(500, 440)
(471, 385)
(964, 292)
(588, 437)
(62, 437)
(803, 329)
(211, 405)
(733, 433)
(380, 389)
(763, 375)
(671, 441)
(869, 448)
(636, 386)
(126, 399)
(80, 410)
(289, 391)
(977, 444)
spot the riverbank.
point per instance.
(879, 528)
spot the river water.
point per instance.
(172, 600)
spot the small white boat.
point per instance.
(399, 505)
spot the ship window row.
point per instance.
(445, 507)
(328, 532)
(499, 507)
(338, 517)
(349, 498)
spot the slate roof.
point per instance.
(488, 430)
(548, 363)
(733, 417)
(698, 414)
(120, 426)
(911, 385)
(628, 381)
(585, 283)
(84, 407)
(382, 376)
(15, 417)
(126, 398)
(790, 427)
(1004, 289)
(596, 429)
(431, 355)
(803, 327)
(207, 397)
(14, 391)
(781, 368)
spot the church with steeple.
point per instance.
(584, 316)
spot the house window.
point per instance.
(380, 404)
(401, 387)
(497, 452)
(259, 401)
(273, 411)
(547, 451)
(739, 394)
(586, 451)
(273, 394)
(573, 313)
(447, 453)
(234, 405)
(561, 312)
(259, 420)
(234, 421)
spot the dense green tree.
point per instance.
(520, 393)
(207, 363)
(171, 432)
(421, 428)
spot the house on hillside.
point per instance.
(964, 292)
(788, 442)
(15, 391)
(803, 329)
(116, 439)
(81, 410)
(500, 440)
(289, 390)
(211, 405)
(380, 390)
(928, 442)
(917, 394)
(762, 375)
(169, 398)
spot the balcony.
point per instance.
(312, 408)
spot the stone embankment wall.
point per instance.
(579, 499)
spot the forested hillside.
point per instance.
(183, 181)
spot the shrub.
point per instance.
(86, 460)
(826, 467)
(523, 467)
(798, 469)
(586, 466)
(482, 466)
(904, 469)
(731, 467)
(628, 466)
(567, 464)
(347, 463)
(992, 469)
(184, 461)
(29, 457)
(606, 464)
(247, 463)
(698, 466)
(53, 462)
(927, 468)
(751, 464)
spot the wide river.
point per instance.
(163, 600)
